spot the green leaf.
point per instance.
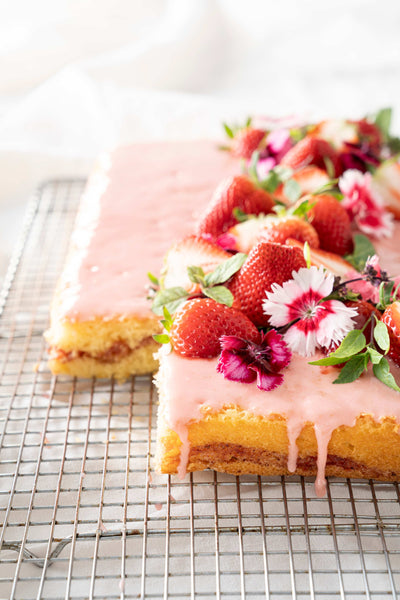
(196, 274)
(383, 119)
(240, 215)
(253, 166)
(394, 145)
(271, 182)
(374, 355)
(292, 190)
(248, 122)
(220, 294)
(382, 372)
(168, 320)
(363, 249)
(330, 169)
(161, 338)
(153, 279)
(171, 298)
(330, 186)
(228, 131)
(352, 344)
(353, 368)
(225, 270)
(385, 294)
(302, 209)
(381, 336)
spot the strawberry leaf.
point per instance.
(161, 338)
(302, 209)
(168, 320)
(271, 182)
(253, 167)
(153, 279)
(228, 131)
(196, 274)
(353, 368)
(329, 167)
(363, 250)
(382, 372)
(292, 190)
(220, 294)
(353, 343)
(170, 298)
(240, 215)
(225, 270)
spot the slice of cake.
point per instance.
(286, 360)
(136, 203)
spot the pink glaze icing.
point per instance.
(140, 200)
(306, 395)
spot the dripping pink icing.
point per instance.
(306, 395)
(140, 200)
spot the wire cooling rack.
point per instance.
(84, 516)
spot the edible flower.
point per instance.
(245, 361)
(300, 306)
(364, 205)
(278, 143)
(372, 277)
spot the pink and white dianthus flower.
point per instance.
(313, 322)
(364, 205)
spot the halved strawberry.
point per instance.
(391, 317)
(386, 181)
(234, 192)
(266, 264)
(200, 323)
(193, 250)
(272, 229)
(312, 151)
(320, 258)
(247, 141)
(332, 223)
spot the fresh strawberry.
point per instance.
(200, 323)
(280, 230)
(312, 151)
(332, 223)
(193, 250)
(266, 264)
(386, 181)
(391, 317)
(320, 258)
(247, 141)
(234, 192)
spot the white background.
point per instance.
(79, 76)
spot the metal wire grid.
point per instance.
(83, 516)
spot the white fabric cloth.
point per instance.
(79, 76)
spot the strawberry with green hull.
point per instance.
(332, 223)
(235, 192)
(313, 151)
(266, 265)
(199, 324)
(247, 141)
